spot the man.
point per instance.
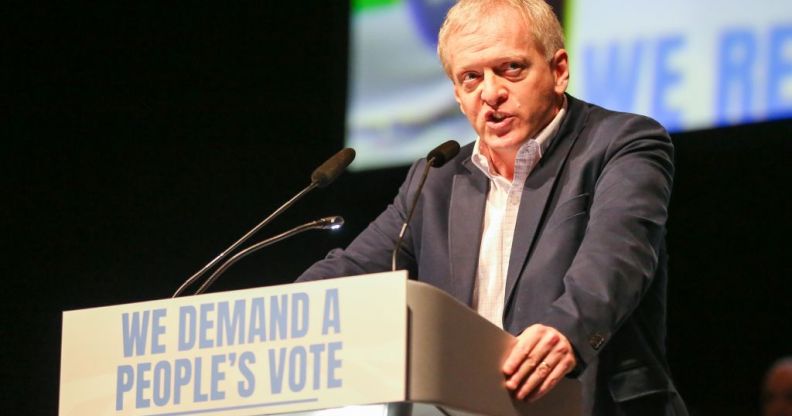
(551, 224)
(777, 389)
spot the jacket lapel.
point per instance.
(539, 186)
(466, 219)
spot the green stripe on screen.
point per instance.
(361, 5)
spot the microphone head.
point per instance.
(443, 153)
(331, 223)
(329, 170)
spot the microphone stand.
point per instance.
(395, 254)
(436, 158)
(331, 223)
(324, 175)
(244, 238)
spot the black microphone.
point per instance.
(328, 172)
(321, 177)
(436, 158)
(443, 153)
(327, 223)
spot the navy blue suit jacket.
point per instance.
(588, 256)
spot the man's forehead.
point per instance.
(490, 40)
(781, 374)
(496, 17)
(481, 55)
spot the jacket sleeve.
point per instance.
(620, 252)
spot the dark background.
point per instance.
(141, 140)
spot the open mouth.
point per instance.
(499, 123)
(496, 116)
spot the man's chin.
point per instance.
(506, 142)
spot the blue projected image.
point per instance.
(661, 59)
(401, 102)
(688, 73)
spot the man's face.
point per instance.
(503, 82)
(777, 392)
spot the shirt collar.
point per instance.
(542, 138)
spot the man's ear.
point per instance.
(559, 64)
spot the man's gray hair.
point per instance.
(543, 23)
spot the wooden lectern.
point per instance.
(367, 345)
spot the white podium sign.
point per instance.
(267, 350)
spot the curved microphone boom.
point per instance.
(435, 159)
(325, 174)
(327, 223)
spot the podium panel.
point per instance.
(358, 346)
(267, 350)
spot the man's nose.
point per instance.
(493, 91)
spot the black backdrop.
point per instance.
(141, 140)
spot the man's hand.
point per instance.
(537, 362)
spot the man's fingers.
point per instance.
(535, 380)
(526, 369)
(555, 365)
(537, 361)
(532, 364)
(520, 352)
(557, 372)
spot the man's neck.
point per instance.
(502, 161)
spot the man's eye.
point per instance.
(514, 67)
(469, 76)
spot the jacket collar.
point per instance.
(468, 199)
